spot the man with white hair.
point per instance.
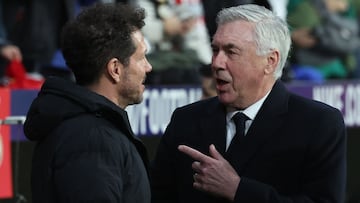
(255, 142)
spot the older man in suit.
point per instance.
(288, 149)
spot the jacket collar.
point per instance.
(269, 118)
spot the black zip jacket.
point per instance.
(86, 150)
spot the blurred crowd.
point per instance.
(178, 35)
(313, 58)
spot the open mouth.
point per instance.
(221, 82)
(144, 81)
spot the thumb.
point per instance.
(214, 153)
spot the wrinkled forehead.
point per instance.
(234, 31)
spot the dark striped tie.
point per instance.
(239, 120)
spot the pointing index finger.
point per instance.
(193, 153)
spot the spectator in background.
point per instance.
(178, 38)
(41, 20)
(208, 88)
(278, 147)
(356, 5)
(86, 150)
(309, 60)
(8, 51)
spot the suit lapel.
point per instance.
(267, 121)
(213, 127)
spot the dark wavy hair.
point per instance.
(97, 34)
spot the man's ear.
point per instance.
(114, 69)
(273, 60)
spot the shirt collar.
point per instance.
(250, 111)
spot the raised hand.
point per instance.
(213, 174)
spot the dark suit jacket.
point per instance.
(294, 151)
